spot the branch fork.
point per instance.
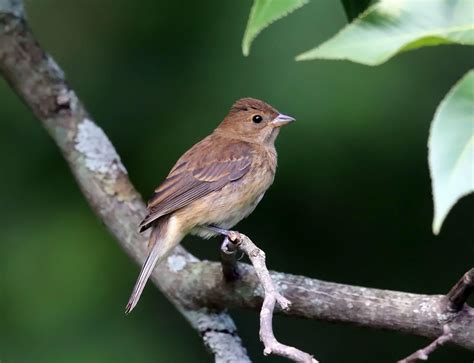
(236, 241)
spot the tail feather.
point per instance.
(145, 223)
(162, 243)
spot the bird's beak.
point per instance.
(281, 120)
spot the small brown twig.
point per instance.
(455, 300)
(458, 295)
(271, 296)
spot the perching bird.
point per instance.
(215, 184)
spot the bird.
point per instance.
(214, 185)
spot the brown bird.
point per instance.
(215, 184)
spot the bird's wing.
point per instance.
(205, 168)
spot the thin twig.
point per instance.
(271, 296)
(423, 354)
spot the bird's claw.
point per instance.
(234, 237)
(227, 246)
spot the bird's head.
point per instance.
(253, 120)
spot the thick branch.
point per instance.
(40, 83)
(416, 314)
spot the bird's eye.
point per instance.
(257, 119)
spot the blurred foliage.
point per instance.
(351, 201)
(451, 148)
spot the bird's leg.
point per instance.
(229, 258)
(230, 245)
(217, 230)
(232, 236)
(229, 249)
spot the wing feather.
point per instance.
(199, 174)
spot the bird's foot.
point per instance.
(230, 247)
(229, 258)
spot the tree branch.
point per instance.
(103, 179)
(197, 288)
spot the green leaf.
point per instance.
(393, 26)
(265, 12)
(451, 149)
(354, 7)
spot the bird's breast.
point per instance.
(226, 207)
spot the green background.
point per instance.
(351, 202)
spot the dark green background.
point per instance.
(351, 202)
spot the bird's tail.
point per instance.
(162, 243)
